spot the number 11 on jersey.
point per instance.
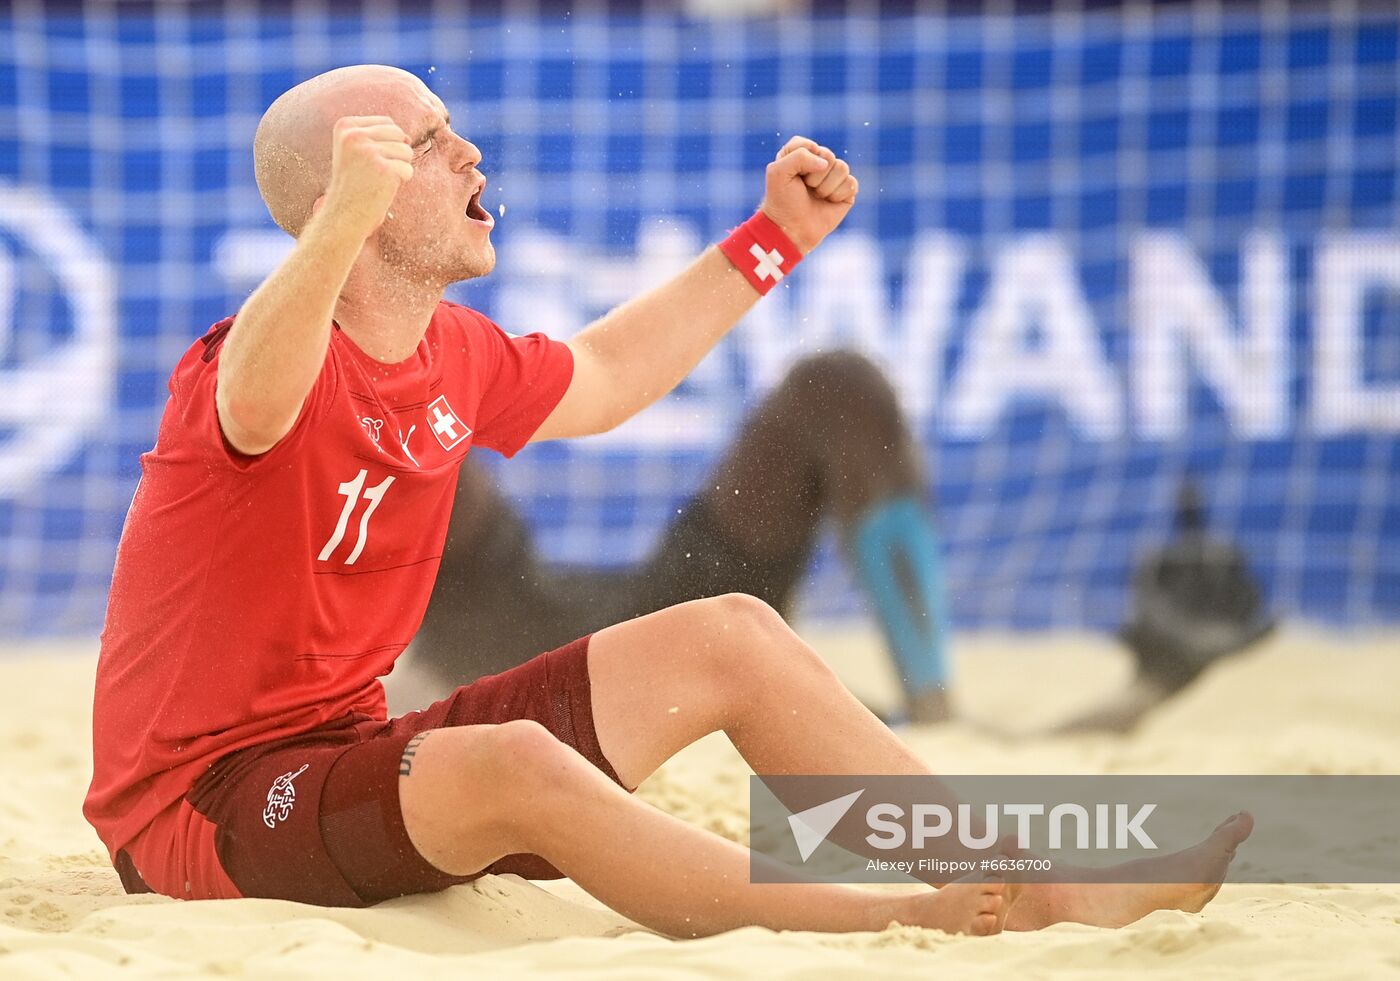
(351, 491)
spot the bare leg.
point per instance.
(730, 663)
(475, 794)
(663, 681)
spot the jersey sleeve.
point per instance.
(194, 384)
(522, 379)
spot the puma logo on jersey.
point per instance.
(445, 425)
(403, 442)
(281, 796)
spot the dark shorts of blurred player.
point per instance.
(829, 443)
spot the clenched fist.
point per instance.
(370, 161)
(808, 191)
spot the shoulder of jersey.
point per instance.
(465, 317)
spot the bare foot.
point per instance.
(975, 904)
(1192, 878)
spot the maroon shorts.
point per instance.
(315, 818)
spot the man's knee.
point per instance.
(529, 758)
(735, 619)
(525, 740)
(747, 640)
(476, 794)
(485, 783)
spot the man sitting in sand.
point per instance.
(277, 558)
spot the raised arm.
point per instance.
(278, 343)
(642, 349)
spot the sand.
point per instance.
(1303, 703)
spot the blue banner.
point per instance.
(1098, 253)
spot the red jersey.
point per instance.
(255, 598)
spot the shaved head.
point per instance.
(292, 146)
(436, 232)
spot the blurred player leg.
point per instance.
(830, 442)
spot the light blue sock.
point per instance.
(900, 564)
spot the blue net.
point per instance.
(1098, 252)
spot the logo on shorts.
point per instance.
(280, 797)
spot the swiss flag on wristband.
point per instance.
(759, 249)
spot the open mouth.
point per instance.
(476, 212)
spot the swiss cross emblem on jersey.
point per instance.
(444, 423)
